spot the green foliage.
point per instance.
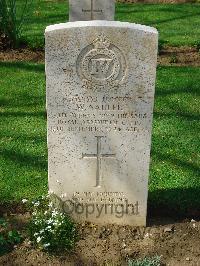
(197, 45)
(154, 261)
(8, 237)
(161, 45)
(173, 59)
(177, 24)
(50, 229)
(11, 22)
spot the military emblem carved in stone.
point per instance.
(101, 63)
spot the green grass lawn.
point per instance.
(174, 178)
(178, 24)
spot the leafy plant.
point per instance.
(12, 17)
(50, 229)
(154, 261)
(173, 59)
(8, 237)
(197, 45)
(161, 45)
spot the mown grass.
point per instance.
(175, 171)
(178, 24)
(23, 160)
(174, 177)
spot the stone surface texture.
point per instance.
(84, 10)
(100, 93)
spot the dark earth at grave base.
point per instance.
(178, 242)
(176, 56)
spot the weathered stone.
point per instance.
(81, 10)
(100, 93)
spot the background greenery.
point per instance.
(178, 24)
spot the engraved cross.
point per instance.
(92, 10)
(99, 157)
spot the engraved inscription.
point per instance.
(101, 63)
(92, 10)
(99, 157)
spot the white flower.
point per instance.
(36, 204)
(50, 204)
(48, 227)
(39, 239)
(45, 213)
(46, 245)
(54, 213)
(36, 234)
(34, 213)
(24, 200)
(50, 221)
(41, 231)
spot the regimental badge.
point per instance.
(101, 63)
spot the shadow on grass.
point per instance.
(182, 115)
(20, 113)
(23, 159)
(23, 66)
(174, 203)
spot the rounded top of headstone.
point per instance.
(101, 23)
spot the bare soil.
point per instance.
(179, 56)
(21, 55)
(176, 56)
(178, 242)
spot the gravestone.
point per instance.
(84, 10)
(100, 92)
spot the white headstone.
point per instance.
(100, 94)
(83, 10)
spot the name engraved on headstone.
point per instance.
(82, 10)
(92, 11)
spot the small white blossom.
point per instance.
(45, 213)
(54, 213)
(46, 245)
(50, 204)
(24, 200)
(36, 234)
(39, 239)
(48, 227)
(36, 204)
(42, 231)
(50, 221)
